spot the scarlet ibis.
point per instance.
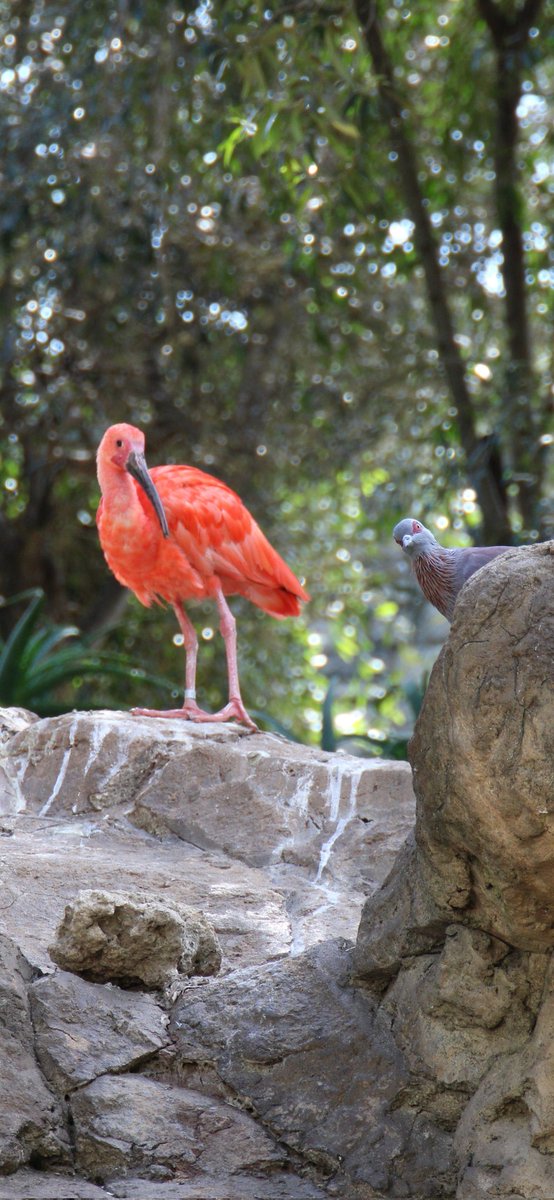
(441, 573)
(174, 534)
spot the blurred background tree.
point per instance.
(306, 247)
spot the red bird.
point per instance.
(175, 534)
(441, 573)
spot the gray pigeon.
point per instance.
(441, 573)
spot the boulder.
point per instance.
(120, 937)
(457, 944)
(483, 776)
(482, 755)
(318, 1061)
(160, 1129)
(84, 1030)
(32, 1126)
(115, 830)
(278, 843)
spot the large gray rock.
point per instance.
(458, 942)
(482, 755)
(124, 1122)
(161, 1131)
(277, 843)
(318, 1061)
(483, 775)
(32, 1125)
(83, 1030)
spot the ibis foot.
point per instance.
(233, 711)
(189, 712)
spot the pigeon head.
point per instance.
(415, 539)
(441, 573)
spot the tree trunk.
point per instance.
(510, 36)
(484, 456)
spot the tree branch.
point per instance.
(509, 37)
(492, 499)
(502, 27)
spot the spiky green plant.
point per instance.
(38, 660)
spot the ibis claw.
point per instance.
(234, 711)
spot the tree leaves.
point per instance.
(214, 249)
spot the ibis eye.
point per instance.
(119, 442)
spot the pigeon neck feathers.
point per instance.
(435, 571)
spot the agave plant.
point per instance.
(38, 659)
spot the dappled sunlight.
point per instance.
(212, 230)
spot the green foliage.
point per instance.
(203, 231)
(36, 664)
(411, 693)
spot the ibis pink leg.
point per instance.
(234, 709)
(190, 710)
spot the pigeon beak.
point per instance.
(136, 466)
(407, 541)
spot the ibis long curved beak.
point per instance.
(136, 466)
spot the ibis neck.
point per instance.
(120, 493)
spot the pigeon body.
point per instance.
(441, 573)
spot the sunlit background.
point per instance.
(208, 230)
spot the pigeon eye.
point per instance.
(119, 442)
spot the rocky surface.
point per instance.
(276, 843)
(417, 1063)
(458, 943)
(32, 1124)
(114, 829)
(84, 1030)
(485, 787)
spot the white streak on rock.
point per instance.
(338, 771)
(97, 735)
(123, 755)
(61, 773)
(16, 777)
(300, 798)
